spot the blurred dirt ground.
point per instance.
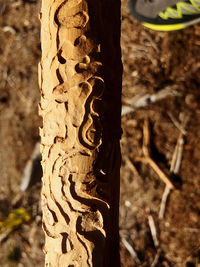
(162, 84)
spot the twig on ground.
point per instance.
(147, 158)
(178, 152)
(157, 256)
(131, 166)
(156, 242)
(178, 125)
(9, 29)
(164, 202)
(126, 110)
(146, 139)
(131, 250)
(153, 231)
(174, 169)
(177, 156)
(140, 101)
(26, 177)
(176, 161)
(157, 169)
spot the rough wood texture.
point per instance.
(80, 80)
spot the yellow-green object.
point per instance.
(14, 219)
(164, 27)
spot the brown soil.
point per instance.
(152, 61)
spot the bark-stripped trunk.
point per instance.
(80, 80)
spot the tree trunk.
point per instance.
(80, 80)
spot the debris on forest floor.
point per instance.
(9, 29)
(176, 161)
(29, 168)
(140, 101)
(156, 242)
(148, 159)
(130, 250)
(153, 231)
